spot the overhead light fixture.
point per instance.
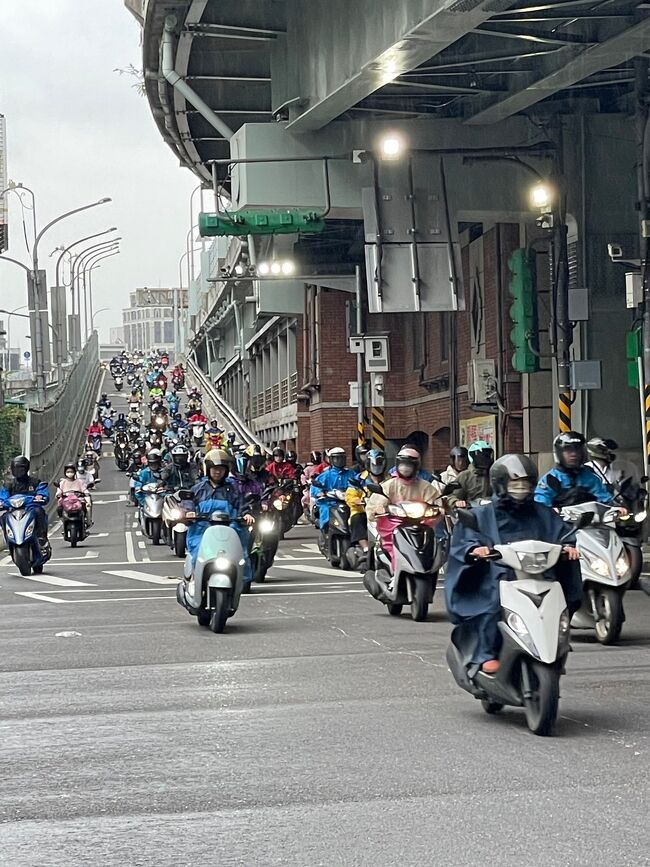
(288, 267)
(391, 147)
(541, 196)
(264, 268)
(276, 268)
(239, 270)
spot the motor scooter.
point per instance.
(605, 565)
(408, 576)
(211, 589)
(535, 628)
(335, 543)
(265, 534)
(19, 528)
(119, 382)
(122, 451)
(174, 523)
(151, 511)
(73, 515)
(198, 434)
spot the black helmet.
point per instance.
(514, 477)
(177, 416)
(291, 457)
(82, 465)
(154, 459)
(602, 450)
(316, 457)
(180, 455)
(570, 450)
(360, 453)
(458, 452)
(20, 467)
(70, 466)
(104, 395)
(278, 453)
(232, 436)
(257, 458)
(337, 457)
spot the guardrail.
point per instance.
(218, 407)
(56, 432)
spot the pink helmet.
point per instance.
(407, 462)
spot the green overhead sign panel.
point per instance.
(244, 223)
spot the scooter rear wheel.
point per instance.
(491, 706)
(394, 610)
(542, 706)
(74, 535)
(420, 601)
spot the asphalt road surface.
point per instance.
(316, 730)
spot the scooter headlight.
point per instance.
(414, 510)
(516, 623)
(265, 526)
(278, 503)
(565, 622)
(10, 532)
(29, 531)
(17, 502)
(640, 517)
(622, 566)
(534, 564)
(222, 563)
(599, 566)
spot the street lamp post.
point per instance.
(77, 270)
(96, 313)
(89, 267)
(39, 300)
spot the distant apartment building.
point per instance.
(149, 320)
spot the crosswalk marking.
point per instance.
(141, 576)
(320, 570)
(54, 581)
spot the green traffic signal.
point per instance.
(523, 311)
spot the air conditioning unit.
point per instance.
(481, 381)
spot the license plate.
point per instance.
(190, 514)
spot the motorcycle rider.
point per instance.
(405, 486)
(336, 478)
(458, 463)
(95, 429)
(71, 482)
(278, 466)
(257, 467)
(83, 474)
(424, 475)
(247, 482)
(152, 473)
(20, 482)
(312, 468)
(355, 497)
(360, 455)
(214, 493)
(570, 482)
(182, 473)
(121, 423)
(104, 401)
(474, 482)
(472, 582)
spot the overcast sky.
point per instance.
(78, 131)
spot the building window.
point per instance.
(444, 336)
(157, 333)
(168, 332)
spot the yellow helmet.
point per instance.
(216, 458)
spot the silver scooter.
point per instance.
(535, 628)
(211, 589)
(606, 571)
(151, 511)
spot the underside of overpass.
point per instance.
(295, 78)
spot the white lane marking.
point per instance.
(5, 560)
(134, 524)
(130, 553)
(146, 558)
(40, 597)
(89, 555)
(299, 559)
(319, 570)
(310, 546)
(81, 562)
(114, 589)
(141, 545)
(70, 634)
(138, 532)
(149, 598)
(141, 576)
(99, 535)
(109, 502)
(58, 582)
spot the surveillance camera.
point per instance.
(615, 252)
(223, 272)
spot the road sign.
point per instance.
(27, 355)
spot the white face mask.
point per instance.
(70, 474)
(519, 489)
(406, 471)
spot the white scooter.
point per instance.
(535, 628)
(606, 571)
(211, 590)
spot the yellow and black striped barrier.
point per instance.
(378, 427)
(361, 433)
(564, 411)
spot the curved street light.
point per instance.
(96, 313)
(91, 264)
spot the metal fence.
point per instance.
(56, 432)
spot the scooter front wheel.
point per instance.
(609, 604)
(420, 601)
(542, 702)
(203, 617)
(394, 610)
(22, 560)
(220, 611)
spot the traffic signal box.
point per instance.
(242, 223)
(523, 311)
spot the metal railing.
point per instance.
(276, 397)
(56, 432)
(218, 407)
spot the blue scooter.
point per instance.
(19, 528)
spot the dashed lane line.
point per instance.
(42, 598)
(318, 570)
(130, 553)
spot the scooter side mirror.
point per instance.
(373, 488)
(449, 488)
(185, 494)
(467, 518)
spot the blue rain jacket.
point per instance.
(332, 479)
